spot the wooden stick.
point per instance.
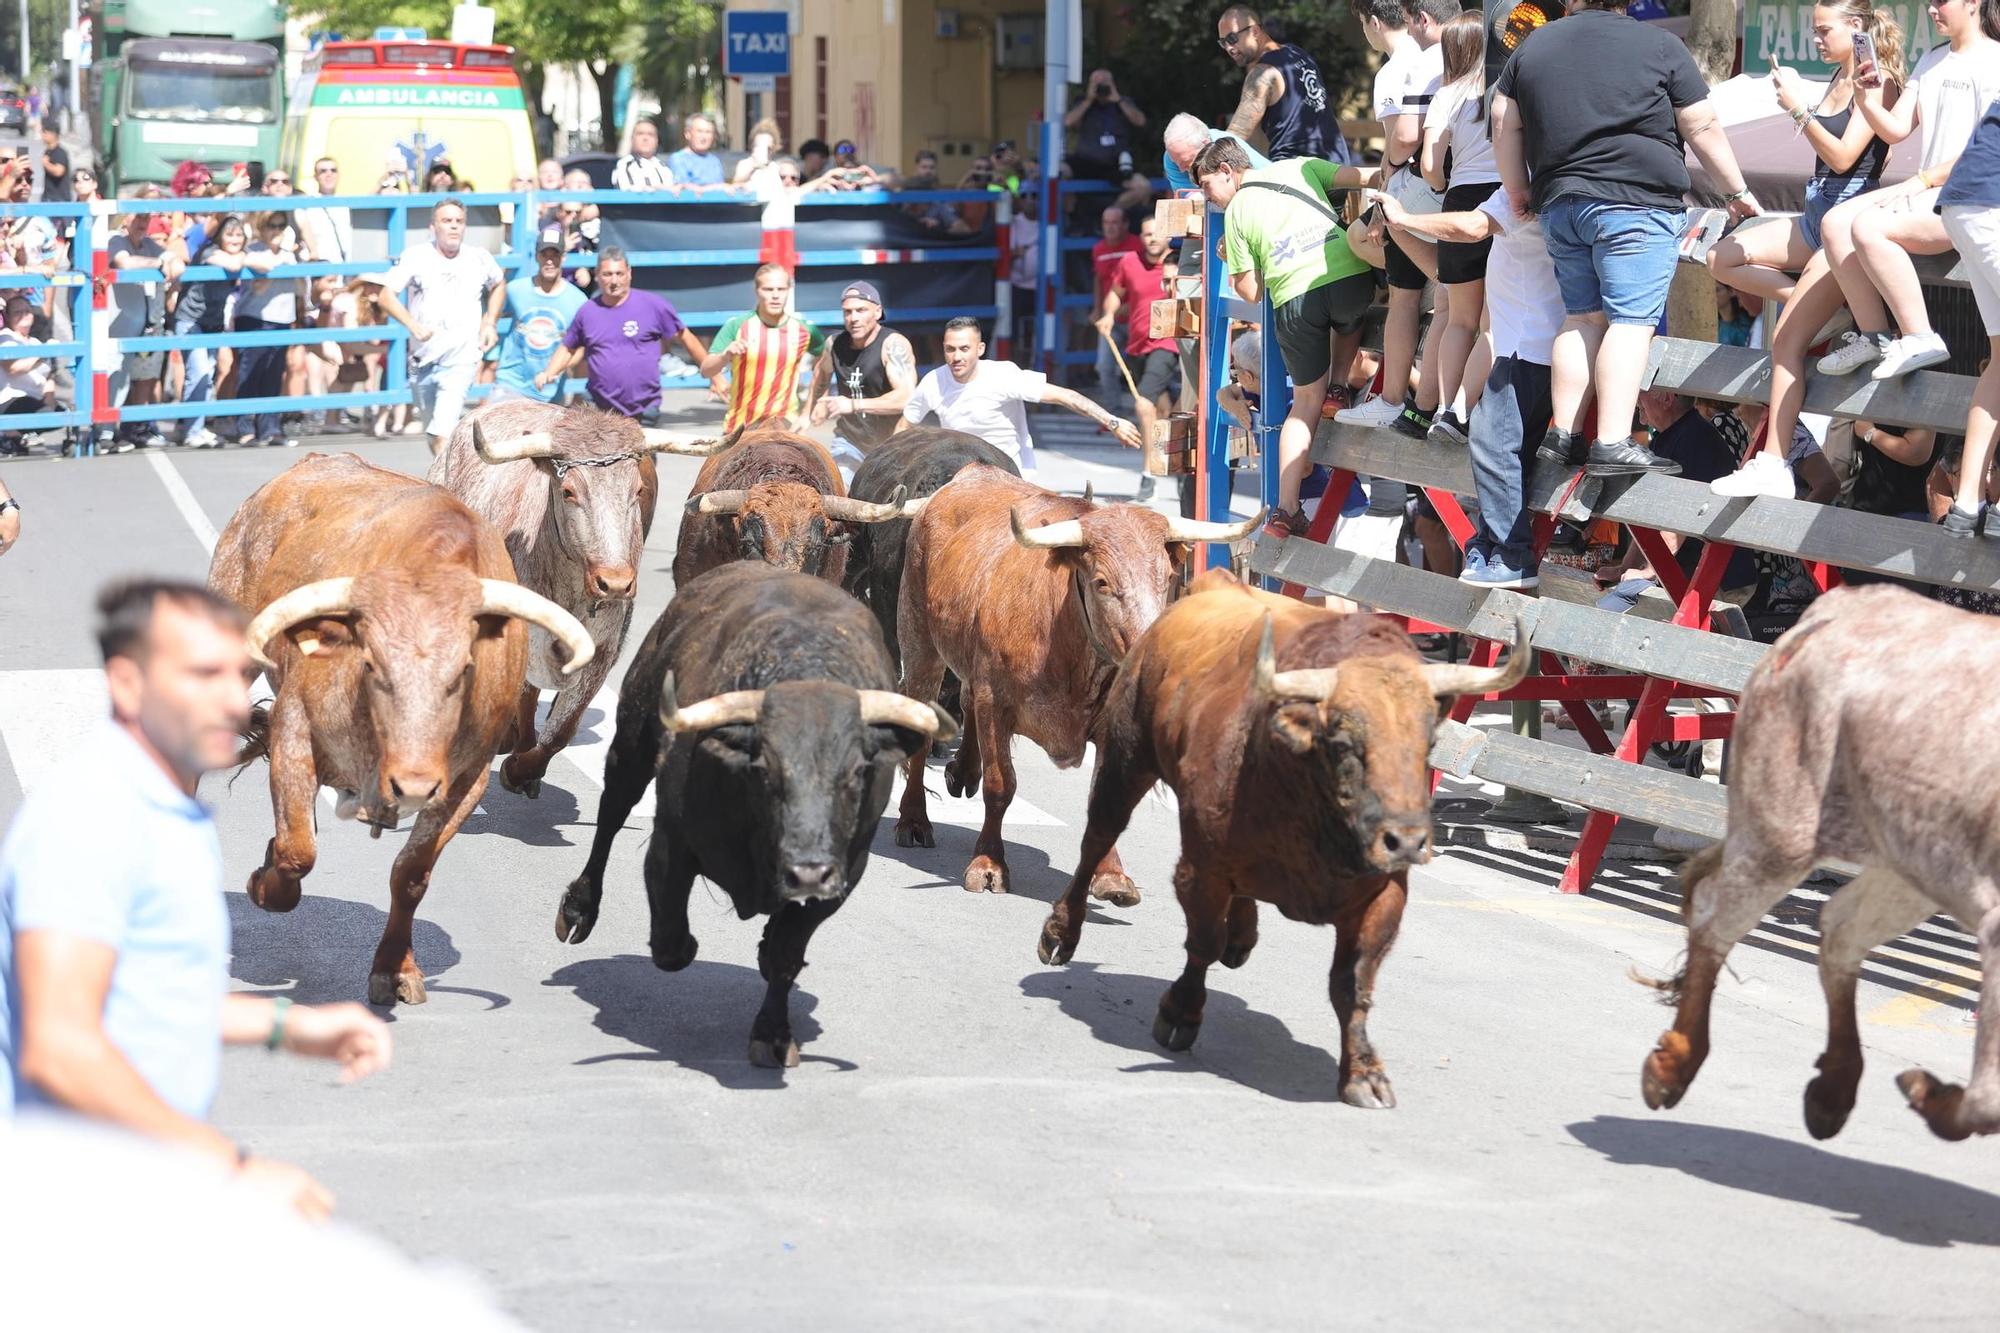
(1123, 369)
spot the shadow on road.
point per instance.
(1892, 1201)
(698, 1019)
(1030, 873)
(538, 823)
(320, 951)
(1237, 1042)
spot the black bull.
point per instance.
(762, 701)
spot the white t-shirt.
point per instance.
(22, 379)
(1408, 80)
(641, 174)
(1523, 303)
(988, 405)
(445, 296)
(1464, 112)
(274, 300)
(1953, 90)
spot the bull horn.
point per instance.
(328, 597)
(1190, 530)
(850, 510)
(1447, 679)
(502, 597)
(532, 444)
(660, 441)
(1090, 492)
(718, 502)
(1048, 537)
(734, 707)
(887, 706)
(1313, 683)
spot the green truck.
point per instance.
(180, 80)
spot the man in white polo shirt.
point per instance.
(985, 398)
(1525, 308)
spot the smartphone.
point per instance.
(1371, 215)
(1864, 49)
(254, 172)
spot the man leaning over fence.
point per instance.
(446, 282)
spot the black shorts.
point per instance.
(1305, 325)
(1402, 270)
(1159, 372)
(1457, 261)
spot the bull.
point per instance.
(771, 784)
(914, 463)
(1297, 741)
(777, 498)
(1032, 599)
(572, 492)
(395, 640)
(1836, 756)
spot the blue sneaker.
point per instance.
(1494, 571)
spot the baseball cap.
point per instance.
(550, 239)
(865, 290)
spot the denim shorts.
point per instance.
(1822, 194)
(438, 393)
(1614, 258)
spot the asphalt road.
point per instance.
(975, 1140)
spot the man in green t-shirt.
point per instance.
(1279, 232)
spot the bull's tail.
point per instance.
(256, 734)
(1698, 868)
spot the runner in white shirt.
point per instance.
(448, 335)
(985, 398)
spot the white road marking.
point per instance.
(183, 498)
(45, 715)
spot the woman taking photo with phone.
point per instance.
(1761, 259)
(1869, 240)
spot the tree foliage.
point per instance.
(1169, 61)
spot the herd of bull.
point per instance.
(819, 637)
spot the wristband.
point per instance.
(276, 1037)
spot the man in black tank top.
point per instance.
(1284, 93)
(863, 378)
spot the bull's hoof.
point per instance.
(1173, 1035)
(1660, 1079)
(1118, 890)
(273, 890)
(676, 956)
(1056, 947)
(576, 915)
(956, 783)
(1369, 1091)
(1237, 952)
(1828, 1102)
(528, 784)
(915, 833)
(985, 875)
(1937, 1102)
(773, 1054)
(389, 988)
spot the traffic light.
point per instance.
(1508, 24)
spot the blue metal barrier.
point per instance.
(1219, 306)
(507, 222)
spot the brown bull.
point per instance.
(1032, 599)
(1297, 741)
(777, 498)
(394, 636)
(1844, 752)
(571, 491)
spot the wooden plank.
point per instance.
(1624, 643)
(1927, 398)
(1375, 452)
(1594, 781)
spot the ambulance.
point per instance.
(400, 105)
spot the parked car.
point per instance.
(13, 112)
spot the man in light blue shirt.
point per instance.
(1186, 136)
(114, 941)
(541, 307)
(696, 164)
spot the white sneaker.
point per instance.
(202, 439)
(1764, 474)
(1911, 352)
(1372, 411)
(1854, 350)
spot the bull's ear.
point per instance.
(888, 743)
(319, 634)
(1296, 726)
(734, 747)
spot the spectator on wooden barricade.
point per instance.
(1849, 155)
(1455, 133)
(1591, 120)
(1970, 207)
(1864, 258)
(1946, 483)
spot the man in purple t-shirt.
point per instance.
(619, 336)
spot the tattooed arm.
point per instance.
(1262, 86)
(901, 364)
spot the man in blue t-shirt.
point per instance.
(541, 308)
(696, 164)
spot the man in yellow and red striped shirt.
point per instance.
(763, 352)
